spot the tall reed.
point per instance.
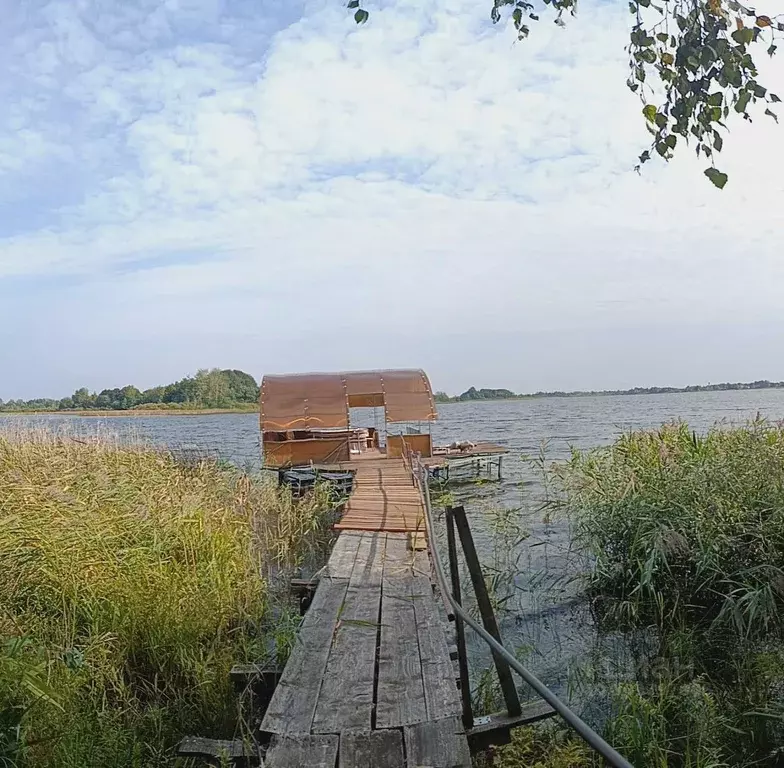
(687, 536)
(129, 585)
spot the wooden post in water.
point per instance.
(462, 659)
(486, 609)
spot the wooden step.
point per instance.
(218, 751)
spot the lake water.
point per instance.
(545, 615)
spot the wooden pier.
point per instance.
(384, 498)
(370, 681)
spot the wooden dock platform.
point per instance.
(370, 682)
(384, 498)
(441, 455)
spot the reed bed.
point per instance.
(687, 538)
(130, 582)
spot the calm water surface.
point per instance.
(545, 617)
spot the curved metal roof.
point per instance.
(322, 400)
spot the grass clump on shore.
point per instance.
(547, 745)
(130, 583)
(687, 536)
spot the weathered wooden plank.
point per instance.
(344, 553)
(439, 744)
(441, 694)
(368, 503)
(400, 695)
(375, 749)
(467, 717)
(310, 751)
(398, 562)
(294, 702)
(495, 729)
(380, 497)
(421, 559)
(346, 697)
(395, 481)
(352, 524)
(369, 564)
(216, 749)
(398, 482)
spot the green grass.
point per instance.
(548, 745)
(687, 538)
(129, 585)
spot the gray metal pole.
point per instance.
(586, 733)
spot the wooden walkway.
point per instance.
(370, 682)
(384, 498)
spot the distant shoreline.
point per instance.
(473, 395)
(130, 412)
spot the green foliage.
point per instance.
(687, 535)
(207, 389)
(130, 585)
(505, 394)
(472, 393)
(540, 746)
(443, 499)
(687, 528)
(682, 720)
(699, 56)
(693, 58)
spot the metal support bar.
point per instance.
(508, 687)
(583, 730)
(462, 656)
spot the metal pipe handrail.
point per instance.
(583, 730)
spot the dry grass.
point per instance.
(129, 585)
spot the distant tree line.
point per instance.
(505, 394)
(206, 389)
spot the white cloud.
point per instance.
(205, 165)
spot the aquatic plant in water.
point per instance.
(687, 536)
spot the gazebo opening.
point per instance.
(329, 418)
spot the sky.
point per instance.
(266, 186)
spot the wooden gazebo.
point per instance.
(305, 418)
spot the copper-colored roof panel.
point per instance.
(321, 400)
(363, 382)
(408, 396)
(408, 406)
(405, 381)
(310, 401)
